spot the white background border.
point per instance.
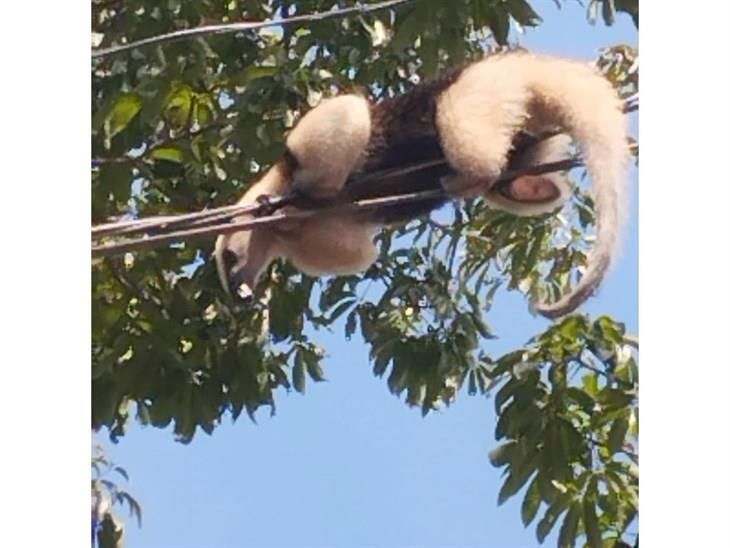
(684, 290)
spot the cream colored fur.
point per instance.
(477, 118)
(479, 115)
(328, 143)
(254, 249)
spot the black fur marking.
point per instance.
(404, 132)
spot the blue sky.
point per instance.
(348, 464)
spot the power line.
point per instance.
(228, 28)
(216, 221)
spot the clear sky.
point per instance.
(348, 464)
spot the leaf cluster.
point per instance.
(567, 408)
(107, 528)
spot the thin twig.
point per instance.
(246, 25)
(631, 104)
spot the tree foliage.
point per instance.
(107, 530)
(185, 125)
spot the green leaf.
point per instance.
(613, 398)
(634, 422)
(179, 103)
(609, 11)
(523, 13)
(569, 529)
(155, 94)
(124, 111)
(502, 454)
(169, 153)
(546, 524)
(453, 42)
(531, 502)
(586, 215)
(517, 478)
(590, 384)
(315, 369)
(117, 179)
(252, 73)
(429, 51)
(553, 454)
(511, 485)
(572, 328)
(505, 393)
(592, 527)
(631, 7)
(530, 262)
(341, 309)
(572, 443)
(610, 330)
(593, 11)
(617, 434)
(122, 472)
(472, 383)
(380, 364)
(351, 324)
(203, 114)
(498, 19)
(580, 397)
(298, 374)
(504, 423)
(625, 371)
(481, 326)
(548, 492)
(407, 29)
(135, 509)
(110, 533)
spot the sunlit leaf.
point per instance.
(169, 153)
(124, 111)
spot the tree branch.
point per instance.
(246, 25)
